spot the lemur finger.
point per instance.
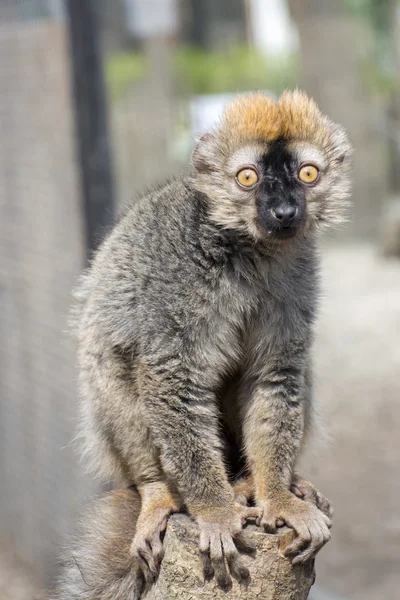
(204, 545)
(269, 524)
(303, 556)
(324, 505)
(251, 514)
(204, 541)
(318, 541)
(217, 560)
(157, 548)
(156, 543)
(302, 538)
(326, 520)
(163, 525)
(237, 569)
(208, 570)
(147, 562)
(296, 491)
(317, 537)
(244, 544)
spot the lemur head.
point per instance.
(274, 169)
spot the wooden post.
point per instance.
(272, 575)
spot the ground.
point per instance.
(15, 580)
(357, 365)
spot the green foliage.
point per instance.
(122, 70)
(378, 65)
(238, 69)
(379, 79)
(377, 12)
(198, 71)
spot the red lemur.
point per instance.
(195, 324)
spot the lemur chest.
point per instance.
(243, 322)
(231, 326)
(249, 328)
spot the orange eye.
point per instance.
(308, 174)
(247, 178)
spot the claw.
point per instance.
(207, 566)
(324, 505)
(149, 568)
(280, 522)
(269, 525)
(250, 513)
(244, 544)
(296, 491)
(303, 557)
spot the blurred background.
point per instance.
(100, 99)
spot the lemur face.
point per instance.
(274, 169)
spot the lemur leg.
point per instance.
(300, 487)
(183, 417)
(243, 489)
(125, 448)
(274, 420)
(157, 504)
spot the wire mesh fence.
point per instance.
(42, 249)
(56, 201)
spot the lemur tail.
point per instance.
(98, 564)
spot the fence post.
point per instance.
(94, 149)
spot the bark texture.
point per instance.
(272, 576)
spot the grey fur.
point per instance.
(192, 315)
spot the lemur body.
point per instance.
(195, 326)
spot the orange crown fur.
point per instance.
(258, 116)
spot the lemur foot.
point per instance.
(244, 492)
(147, 545)
(310, 524)
(221, 538)
(305, 490)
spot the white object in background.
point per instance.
(272, 29)
(205, 111)
(148, 18)
(56, 9)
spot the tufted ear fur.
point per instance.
(203, 157)
(340, 142)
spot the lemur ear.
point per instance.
(203, 157)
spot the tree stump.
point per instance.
(272, 576)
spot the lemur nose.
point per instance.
(284, 214)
